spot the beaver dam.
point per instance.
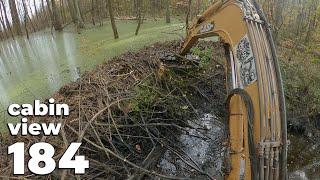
(137, 116)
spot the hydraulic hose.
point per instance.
(250, 112)
(283, 157)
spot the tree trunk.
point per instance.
(50, 12)
(104, 8)
(35, 9)
(168, 20)
(188, 16)
(63, 14)
(56, 17)
(198, 7)
(72, 11)
(80, 23)
(25, 18)
(93, 12)
(7, 19)
(27, 15)
(139, 4)
(278, 15)
(15, 17)
(81, 12)
(153, 8)
(44, 12)
(311, 20)
(113, 23)
(3, 25)
(98, 9)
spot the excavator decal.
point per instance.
(248, 73)
(206, 28)
(256, 106)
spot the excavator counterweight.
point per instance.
(257, 116)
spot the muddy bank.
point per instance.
(130, 112)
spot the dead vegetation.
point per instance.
(129, 111)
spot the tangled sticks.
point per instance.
(127, 113)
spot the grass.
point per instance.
(99, 46)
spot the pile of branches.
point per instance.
(124, 113)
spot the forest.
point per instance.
(137, 115)
(291, 19)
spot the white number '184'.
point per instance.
(42, 162)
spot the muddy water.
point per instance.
(199, 153)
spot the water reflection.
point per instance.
(36, 67)
(70, 50)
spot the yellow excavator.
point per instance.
(256, 106)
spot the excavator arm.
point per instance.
(257, 117)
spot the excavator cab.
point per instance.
(257, 117)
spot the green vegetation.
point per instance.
(302, 78)
(301, 75)
(204, 54)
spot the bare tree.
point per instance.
(56, 17)
(15, 17)
(3, 24)
(80, 23)
(93, 13)
(26, 15)
(198, 4)
(63, 13)
(113, 23)
(72, 11)
(139, 18)
(153, 8)
(278, 16)
(25, 18)
(45, 15)
(99, 4)
(4, 14)
(312, 20)
(188, 15)
(168, 20)
(36, 9)
(50, 13)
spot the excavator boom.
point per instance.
(257, 117)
